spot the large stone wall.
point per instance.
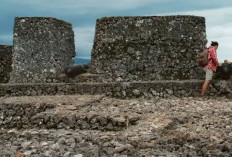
(42, 48)
(5, 63)
(148, 48)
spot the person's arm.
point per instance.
(213, 56)
(228, 62)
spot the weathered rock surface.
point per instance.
(161, 89)
(43, 47)
(5, 63)
(171, 126)
(84, 112)
(146, 48)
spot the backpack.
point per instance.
(203, 58)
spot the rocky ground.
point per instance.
(102, 126)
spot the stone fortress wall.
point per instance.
(42, 48)
(83, 119)
(5, 63)
(125, 48)
(131, 57)
(148, 48)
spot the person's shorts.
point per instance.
(208, 73)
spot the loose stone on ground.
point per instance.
(104, 126)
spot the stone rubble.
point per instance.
(164, 127)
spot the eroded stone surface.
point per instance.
(43, 47)
(175, 127)
(148, 89)
(5, 63)
(146, 48)
(84, 112)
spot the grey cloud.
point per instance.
(218, 28)
(84, 40)
(86, 6)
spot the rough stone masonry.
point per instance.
(5, 63)
(148, 48)
(42, 48)
(98, 125)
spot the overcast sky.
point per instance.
(82, 14)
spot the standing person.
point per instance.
(211, 67)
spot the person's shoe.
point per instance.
(203, 97)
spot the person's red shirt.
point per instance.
(213, 60)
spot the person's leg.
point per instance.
(205, 85)
(208, 78)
